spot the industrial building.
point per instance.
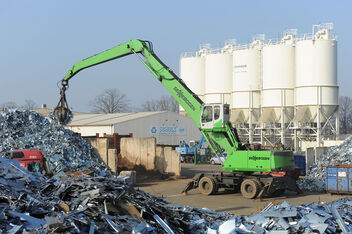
(281, 91)
(169, 128)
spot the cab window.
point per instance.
(226, 109)
(35, 167)
(17, 154)
(216, 112)
(207, 115)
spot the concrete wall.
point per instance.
(313, 154)
(112, 159)
(332, 143)
(168, 160)
(144, 152)
(109, 156)
(307, 144)
(101, 145)
(92, 130)
(138, 152)
(325, 143)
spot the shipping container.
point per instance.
(338, 179)
(300, 162)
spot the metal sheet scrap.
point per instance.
(315, 179)
(65, 151)
(88, 204)
(30, 202)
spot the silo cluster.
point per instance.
(292, 79)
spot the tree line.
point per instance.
(110, 101)
(114, 101)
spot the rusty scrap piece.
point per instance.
(64, 207)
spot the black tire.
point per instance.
(212, 162)
(250, 188)
(207, 186)
(216, 186)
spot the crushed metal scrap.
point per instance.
(66, 203)
(315, 179)
(65, 151)
(30, 202)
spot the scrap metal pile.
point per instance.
(315, 179)
(65, 151)
(84, 204)
(32, 203)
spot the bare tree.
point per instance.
(345, 112)
(165, 103)
(8, 105)
(29, 104)
(110, 101)
(151, 105)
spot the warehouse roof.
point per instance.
(46, 111)
(87, 119)
(108, 119)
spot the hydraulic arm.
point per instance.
(212, 120)
(183, 95)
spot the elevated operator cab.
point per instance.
(215, 116)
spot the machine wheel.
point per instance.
(250, 188)
(207, 185)
(212, 162)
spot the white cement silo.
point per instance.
(246, 85)
(218, 77)
(246, 82)
(278, 80)
(316, 75)
(192, 72)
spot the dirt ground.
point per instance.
(223, 201)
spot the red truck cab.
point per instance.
(32, 160)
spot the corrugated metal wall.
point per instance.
(169, 128)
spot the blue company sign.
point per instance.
(167, 130)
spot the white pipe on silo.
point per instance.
(318, 126)
(337, 124)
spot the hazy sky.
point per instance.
(41, 40)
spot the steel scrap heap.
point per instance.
(65, 151)
(315, 179)
(32, 203)
(85, 204)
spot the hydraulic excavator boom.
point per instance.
(212, 120)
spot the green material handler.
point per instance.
(254, 173)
